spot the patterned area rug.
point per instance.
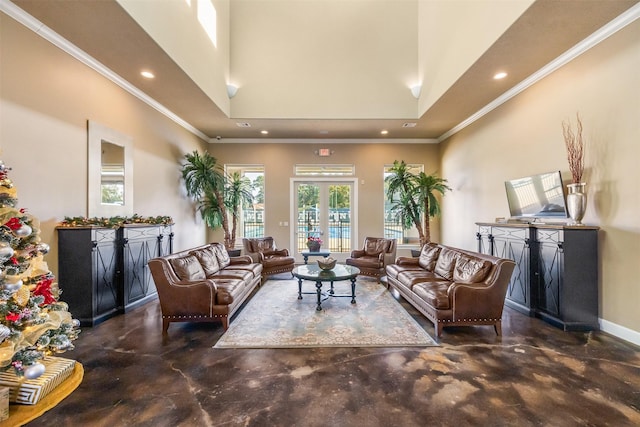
(276, 318)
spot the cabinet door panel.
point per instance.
(549, 270)
(139, 246)
(513, 243)
(106, 273)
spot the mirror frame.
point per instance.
(97, 134)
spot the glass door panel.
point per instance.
(324, 211)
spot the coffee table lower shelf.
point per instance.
(315, 274)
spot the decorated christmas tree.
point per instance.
(33, 322)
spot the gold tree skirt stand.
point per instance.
(22, 414)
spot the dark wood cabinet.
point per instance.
(556, 274)
(103, 271)
(139, 245)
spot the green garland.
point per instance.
(115, 221)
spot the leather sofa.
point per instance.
(453, 287)
(203, 284)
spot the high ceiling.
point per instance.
(107, 33)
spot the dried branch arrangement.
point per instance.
(575, 149)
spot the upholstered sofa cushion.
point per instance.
(221, 254)
(411, 277)
(208, 260)
(429, 256)
(434, 293)
(470, 269)
(446, 263)
(187, 268)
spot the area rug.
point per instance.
(276, 318)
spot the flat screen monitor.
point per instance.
(537, 196)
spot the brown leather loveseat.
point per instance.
(203, 284)
(453, 287)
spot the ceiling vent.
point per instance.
(243, 125)
(409, 125)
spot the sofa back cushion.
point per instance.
(446, 263)
(221, 254)
(262, 244)
(374, 247)
(470, 269)
(208, 260)
(187, 268)
(429, 256)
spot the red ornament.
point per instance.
(12, 317)
(43, 288)
(14, 224)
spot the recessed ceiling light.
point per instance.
(264, 132)
(147, 74)
(384, 132)
(500, 75)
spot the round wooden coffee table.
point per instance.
(315, 274)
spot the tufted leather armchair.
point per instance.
(375, 255)
(264, 251)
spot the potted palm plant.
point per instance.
(216, 194)
(414, 198)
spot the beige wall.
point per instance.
(46, 98)
(524, 136)
(352, 59)
(369, 160)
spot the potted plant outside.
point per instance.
(217, 195)
(414, 198)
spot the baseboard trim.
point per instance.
(621, 332)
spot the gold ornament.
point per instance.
(21, 297)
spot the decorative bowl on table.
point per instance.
(327, 263)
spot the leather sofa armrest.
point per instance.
(404, 260)
(223, 297)
(475, 301)
(276, 252)
(357, 253)
(255, 256)
(242, 259)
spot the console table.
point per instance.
(307, 254)
(556, 273)
(103, 271)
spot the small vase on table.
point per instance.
(576, 202)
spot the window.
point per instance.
(392, 223)
(251, 216)
(208, 19)
(325, 170)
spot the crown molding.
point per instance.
(326, 141)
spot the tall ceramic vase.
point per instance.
(576, 202)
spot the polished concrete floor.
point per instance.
(534, 375)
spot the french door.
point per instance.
(324, 208)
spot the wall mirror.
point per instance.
(110, 180)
